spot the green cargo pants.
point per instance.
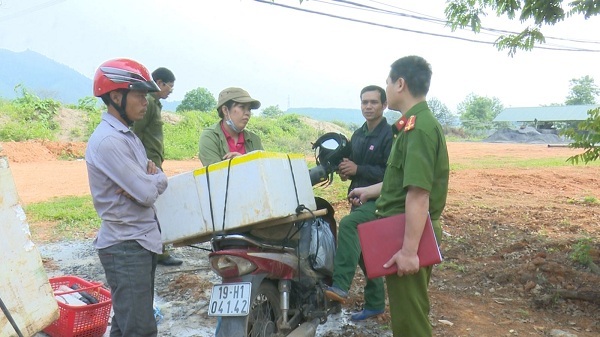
(348, 256)
(409, 299)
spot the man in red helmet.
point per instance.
(124, 185)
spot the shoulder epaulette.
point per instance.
(410, 124)
(399, 125)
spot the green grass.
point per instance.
(452, 266)
(74, 217)
(286, 134)
(335, 192)
(181, 139)
(16, 132)
(93, 119)
(28, 117)
(454, 138)
(14, 126)
(587, 200)
(590, 200)
(491, 162)
(581, 251)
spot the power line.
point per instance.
(430, 18)
(31, 9)
(367, 22)
(403, 9)
(413, 30)
(419, 17)
(422, 17)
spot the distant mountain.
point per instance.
(331, 114)
(42, 76)
(348, 116)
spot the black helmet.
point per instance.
(330, 149)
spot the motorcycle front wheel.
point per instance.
(264, 311)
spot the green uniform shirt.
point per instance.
(213, 144)
(150, 131)
(419, 157)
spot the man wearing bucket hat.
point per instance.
(229, 138)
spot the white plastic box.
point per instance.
(24, 285)
(249, 190)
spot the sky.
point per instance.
(293, 58)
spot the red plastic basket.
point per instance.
(81, 321)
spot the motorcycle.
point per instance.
(273, 279)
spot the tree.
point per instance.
(586, 137)
(440, 111)
(392, 116)
(477, 112)
(583, 91)
(272, 111)
(462, 13)
(199, 99)
(468, 13)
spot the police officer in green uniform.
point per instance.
(150, 132)
(415, 183)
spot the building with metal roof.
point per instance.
(564, 113)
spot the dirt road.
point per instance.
(39, 175)
(509, 233)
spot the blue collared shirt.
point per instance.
(116, 158)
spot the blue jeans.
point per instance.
(130, 271)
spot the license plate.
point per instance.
(230, 299)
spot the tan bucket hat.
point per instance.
(238, 95)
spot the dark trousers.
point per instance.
(130, 271)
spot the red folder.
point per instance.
(382, 238)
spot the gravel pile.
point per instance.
(527, 135)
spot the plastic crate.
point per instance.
(81, 321)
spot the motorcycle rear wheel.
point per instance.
(264, 312)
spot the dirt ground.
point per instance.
(508, 236)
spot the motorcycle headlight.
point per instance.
(228, 266)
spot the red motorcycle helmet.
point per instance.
(122, 73)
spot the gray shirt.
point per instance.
(116, 158)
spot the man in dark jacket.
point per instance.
(371, 145)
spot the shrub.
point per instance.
(181, 139)
(28, 117)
